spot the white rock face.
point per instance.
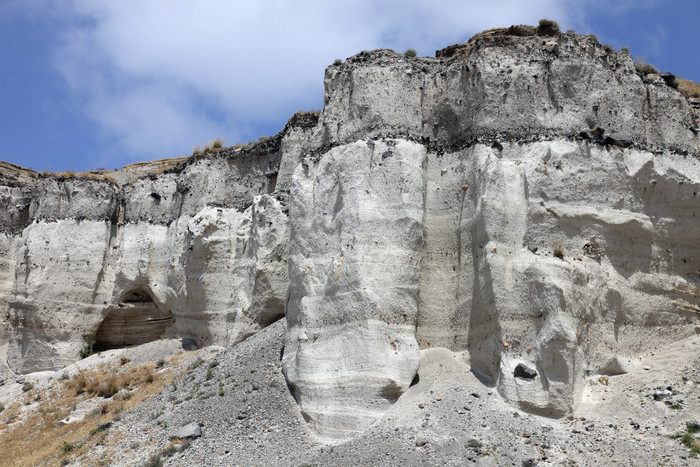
(354, 254)
(484, 271)
(510, 300)
(221, 274)
(446, 202)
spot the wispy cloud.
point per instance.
(160, 76)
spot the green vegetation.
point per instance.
(644, 68)
(410, 53)
(67, 447)
(89, 340)
(689, 440)
(548, 27)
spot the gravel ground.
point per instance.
(449, 417)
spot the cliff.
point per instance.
(529, 201)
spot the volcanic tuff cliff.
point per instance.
(469, 201)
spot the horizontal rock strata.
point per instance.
(531, 200)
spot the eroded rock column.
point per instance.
(354, 253)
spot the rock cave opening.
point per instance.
(135, 320)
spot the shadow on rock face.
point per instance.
(135, 320)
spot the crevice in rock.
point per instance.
(391, 391)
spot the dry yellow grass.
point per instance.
(154, 167)
(34, 436)
(688, 88)
(91, 174)
(217, 143)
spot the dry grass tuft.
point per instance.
(34, 436)
(688, 88)
(558, 251)
(89, 175)
(218, 143)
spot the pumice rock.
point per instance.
(519, 188)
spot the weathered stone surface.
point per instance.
(191, 431)
(465, 202)
(354, 263)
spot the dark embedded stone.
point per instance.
(188, 343)
(595, 136)
(669, 78)
(155, 196)
(618, 139)
(497, 145)
(524, 371)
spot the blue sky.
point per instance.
(88, 84)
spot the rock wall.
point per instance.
(207, 242)
(470, 201)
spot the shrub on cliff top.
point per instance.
(644, 68)
(548, 27)
(411, 53)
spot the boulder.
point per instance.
(191, 431)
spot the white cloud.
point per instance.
(164, 75)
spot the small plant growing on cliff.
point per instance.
(410, 53)
(625, 49)
(66, 447)
(644, 68)
(594, 37)
(337, 62)
(89, 341)
(27, 387)
(558, 251)
(548, 27)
